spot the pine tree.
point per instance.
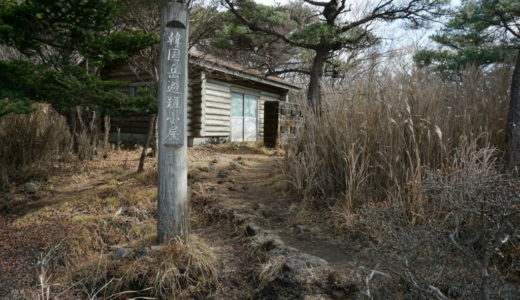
(483, 32)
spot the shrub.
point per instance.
(30, 143)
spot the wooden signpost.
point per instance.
(173, 89)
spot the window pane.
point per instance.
(237, 105)
(250, 106)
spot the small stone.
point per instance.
(121, 253)
(337, 279)
(203, 169)
(145, 251)
(258, 206)
(156, 248)
(299, 229)
(302, 262)
(30, 188)
(252, 230)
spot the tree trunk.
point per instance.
(71, 120)
(92, 127)
(106, 125)
(118, 139)
(149, 136)
(314, 92)
(512, 157)
(155, 139)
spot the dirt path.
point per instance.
(253, 183)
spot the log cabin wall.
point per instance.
(209, 104)
(133, 128)
(217, 102)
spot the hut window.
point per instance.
(244, 117)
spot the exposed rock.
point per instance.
(30, 188)
(121, 253)
(303, 262)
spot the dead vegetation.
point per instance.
(408, 165)
(171, 272)
(32, 144)
(88, 226)
(376, 138)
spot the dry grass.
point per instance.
(30, 144)
(171, 272)
(119, 213)
(400, 163)
(375, 140)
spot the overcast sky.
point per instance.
(395, 36)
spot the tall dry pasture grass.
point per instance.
(29, 143)
(378, 135)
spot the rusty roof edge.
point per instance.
(212, 62)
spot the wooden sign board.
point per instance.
(173, 96)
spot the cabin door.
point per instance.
(244, 120)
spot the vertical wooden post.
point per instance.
(173, 87)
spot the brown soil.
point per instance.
(256, 186)
(238, 177)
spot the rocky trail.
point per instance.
(301, 263)
(259, 193)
